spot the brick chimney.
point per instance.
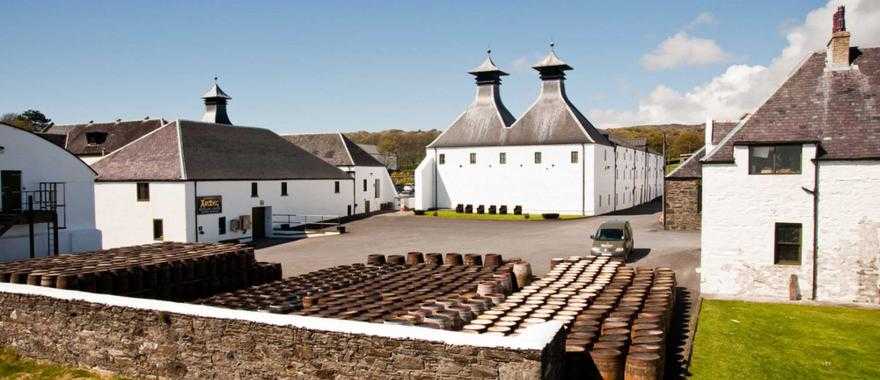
(837, 52)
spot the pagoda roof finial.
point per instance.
(215, 92)
(487, 70)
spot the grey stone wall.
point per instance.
(141, 343)
(683, 204)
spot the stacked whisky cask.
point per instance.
(617, 318)
(286, 296)
(169, 271)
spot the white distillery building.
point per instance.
(791, 196)
(210, 181)
(551, 160)
(48, 201)
(373, 189)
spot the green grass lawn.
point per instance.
(13, 366)
(745, 340)
(671, 167)
(451, 214)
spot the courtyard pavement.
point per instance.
(535, 241)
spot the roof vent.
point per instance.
(215, 105)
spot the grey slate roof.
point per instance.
(837, 109)
(215, 92)
(118, 135)
(553, 119)
(191, 150)
(334, 148)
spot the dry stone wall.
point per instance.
(683, 204)
(139, 343)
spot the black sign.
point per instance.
(212, 204)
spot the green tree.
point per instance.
(30, 120)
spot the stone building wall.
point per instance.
(140, 342)
(683, 204)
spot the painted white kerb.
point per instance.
(535, 337)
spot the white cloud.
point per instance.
(742, 88)
(704, 18)
(683, 50)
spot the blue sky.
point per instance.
(346, 66)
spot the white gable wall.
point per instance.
(387, 192)
(849, 231)
(124, 221)
(554, 185)
(41, 161)
(738, 227)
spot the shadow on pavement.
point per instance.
(269, 242)
(649, 208)
(637, 254)
(679, 336)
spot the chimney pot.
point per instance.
(837, 52)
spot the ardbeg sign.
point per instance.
(212, 204)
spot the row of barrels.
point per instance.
(623, 333)
(169, 271)
(430, 293)
(560, 295)
(286, 296)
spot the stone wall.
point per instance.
(683, 204)
(139, 342)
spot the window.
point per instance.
(336, 187)
(473, 157)
(775, 159)
(537, 157)
(442, 158)
(254, 189)
(221, 225)
(143, 192)
(365, 185)
(787, 250)
(502, 158)
(574, 157)
(283, 189)
(158, 234)
(376, 187)
(96, 138)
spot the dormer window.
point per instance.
(96, 138)
(775, 159)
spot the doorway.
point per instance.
(258, 216)
(11, 189)
(366, 206)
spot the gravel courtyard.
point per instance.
(534, 241)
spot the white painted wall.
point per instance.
(305, 197)
(849, 231)
(739, 214)
(41, 161)
(424, 177)
(588, 187)
(554, 185)
(387, 192)
(124, 221)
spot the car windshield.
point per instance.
(609, 234)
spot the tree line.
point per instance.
(29, 120)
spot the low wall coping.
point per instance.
(534, 337)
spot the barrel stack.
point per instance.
(168, 271)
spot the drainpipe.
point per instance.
(815, 194)
(196, 209)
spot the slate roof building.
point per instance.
(550, 160)
(210, 181)
(373, 190)
(791, 206)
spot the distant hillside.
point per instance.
(680, 138)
